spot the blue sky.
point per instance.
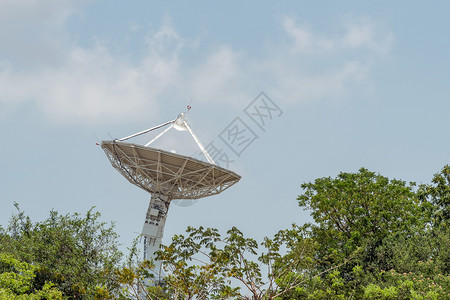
(359, 85)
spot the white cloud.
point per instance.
(364, 32)
(316, 65)
(32, 32)
(305, 40)
(218, 78)
(361, 33)
(295, 86)
(85, 84)
(92, 83)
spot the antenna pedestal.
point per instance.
(153, 228)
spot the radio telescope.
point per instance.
(166, 176)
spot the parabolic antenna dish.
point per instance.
(158, 171)
(166, 176)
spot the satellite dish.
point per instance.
(171, 174)
(166, 175)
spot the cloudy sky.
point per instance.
(350, 85)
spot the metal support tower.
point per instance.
(153, 229)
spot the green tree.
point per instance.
(77, 253)
(357, 207)
(372, 239)
(16, 281)
(138, 277)
(438, 194)
(356, 214)
(206, 265)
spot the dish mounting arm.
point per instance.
(181, 124)
(208, 157)
(147, 130)
(159, 135)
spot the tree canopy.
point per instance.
(372, 238)
(78, 254)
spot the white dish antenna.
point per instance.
(166, 175)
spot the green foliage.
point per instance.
(207, 265)
(356, 207)
(438, 194)
(411, 285)
(137, 278)
(385, 225)
(364, 225)
(78, 254)
(16, 281)
(373, 238)
(211, 278)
